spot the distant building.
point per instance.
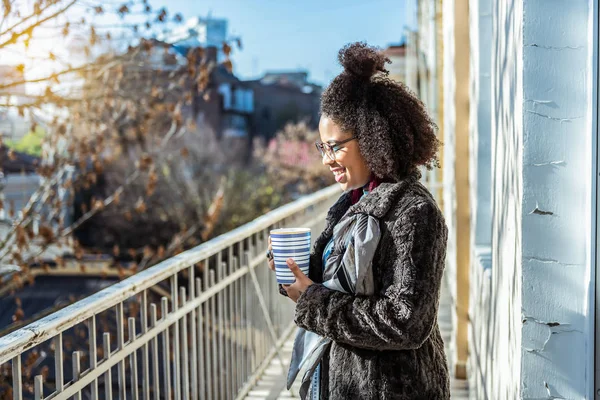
(236, 110)
(230, 105)
(282, 97)
(198, 31)
(397, 56)
(227, 110)
(12, 125)
(239, 111)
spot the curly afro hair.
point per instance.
(394, 132)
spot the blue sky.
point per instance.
(284, 35)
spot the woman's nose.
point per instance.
(326, 160)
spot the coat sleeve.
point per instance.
(402, 314)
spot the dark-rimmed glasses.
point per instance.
(331, 147)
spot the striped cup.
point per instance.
(290, 243)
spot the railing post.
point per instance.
(184, 349)
(207, 336)
(154, 350)
(121, 346)
(17, 379)
(133, 360)
(176, 347)
(200, 343)
(232, 324)
(164, 311)
(192, 328)
(93, 355)
(220, 305)
(213, 342)
(242, 329)
(107, 374)
(58, 362)
(76, 371)
(145, 359)
(38, 387)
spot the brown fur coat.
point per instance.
(385, 346)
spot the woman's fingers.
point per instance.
(295, 269)
(271, 262)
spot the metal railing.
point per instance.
(201, 325)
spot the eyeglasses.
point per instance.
(330, 149)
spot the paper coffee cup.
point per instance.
(290, 243)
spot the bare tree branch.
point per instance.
(97, 67)
(21, 21)
(104, 116)
(16, 35)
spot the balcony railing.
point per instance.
(201, 325)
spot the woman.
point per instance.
(377, 320)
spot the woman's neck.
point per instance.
(356, 194)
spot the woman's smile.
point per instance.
(339, 174)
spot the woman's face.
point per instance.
(349, 168)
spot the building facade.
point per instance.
(12, 125)
(236, 110)
(199, 32)
(397, 67)
(282, 97)
(517, 112)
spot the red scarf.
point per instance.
(356, 194)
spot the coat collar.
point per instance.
(377, 203)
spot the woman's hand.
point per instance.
(296, 289)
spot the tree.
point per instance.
(293, 162)
(116, 121)
(31, 143)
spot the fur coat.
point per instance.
(385, 346)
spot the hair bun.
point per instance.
(362, 60)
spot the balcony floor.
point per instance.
(271, 385)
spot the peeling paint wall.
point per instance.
(556, 211)
(541, 191)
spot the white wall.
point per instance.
(480, 162)
(541, 345)
(507, 187)
(556, 210)
(531, 134)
